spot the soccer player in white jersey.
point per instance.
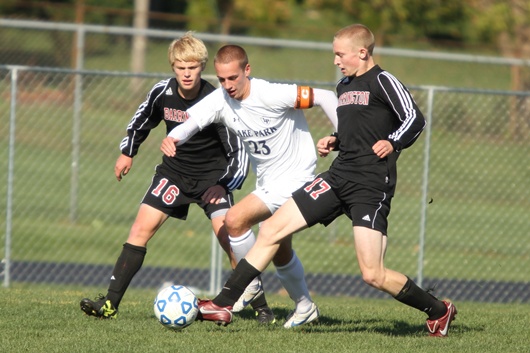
(268, 117)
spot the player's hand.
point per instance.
(214, 194)
(123, 166)
(382, 148)
(325, 145)
(169, 146)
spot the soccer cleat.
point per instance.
(208, 311)
(100, 307)
(248, 296)
(265, 315)
(294, 319)
(440, 327)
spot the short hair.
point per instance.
(359, 36)
(229, 53)
(187, 48)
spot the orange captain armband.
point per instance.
(304, 97)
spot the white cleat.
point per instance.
(248, 296)
(294, 319)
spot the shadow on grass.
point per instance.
(327, 324)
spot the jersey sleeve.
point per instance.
(238, 160)
(146, 118)
(405, 108)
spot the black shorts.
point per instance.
(173, 197)
(327, 197)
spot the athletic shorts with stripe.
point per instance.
(173, 197)
(327, 197)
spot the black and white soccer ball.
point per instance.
(176, 307)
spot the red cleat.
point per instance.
(440, 327)
(208, 311)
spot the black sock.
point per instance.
(240, 278)
(414, 296)
(127, 265)
(259, 302)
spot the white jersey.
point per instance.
(275, 134)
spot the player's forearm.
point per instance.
(184, 131)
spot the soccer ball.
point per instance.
(176, 307)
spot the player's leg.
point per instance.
(290, 272)
(260, 255)
(295, 214)
(147, 222)
(370, 247)
(153, 212)
(240, 218)
(238, 246)
(219, 229)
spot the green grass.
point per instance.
(35, 318)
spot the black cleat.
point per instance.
(265, 315)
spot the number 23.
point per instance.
(259, 147)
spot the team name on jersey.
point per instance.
(354, 97)
(175, 115)
(258, 133)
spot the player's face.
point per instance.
(188, 74)
(234, 79)
(347, 57)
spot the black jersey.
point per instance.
(374, 106)
(213, 153)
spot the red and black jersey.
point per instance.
(374, 106)
(213, 153)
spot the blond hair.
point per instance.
(187, 48)
(359, 36)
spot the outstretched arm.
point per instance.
(178, 136)
(328, 101)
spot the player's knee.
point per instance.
(374, 279)
(139, 235)
(235, 225)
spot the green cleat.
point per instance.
(100, 307)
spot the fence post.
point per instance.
(76, 123)
(425, 183)
(10, 172)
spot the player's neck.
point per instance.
(365, 68)
(189, 94)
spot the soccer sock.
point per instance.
(414, 296)
(240, 246)
(293, 280)
(127, 265)
(242, 275)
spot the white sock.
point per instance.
(293, 280)
(240, 246)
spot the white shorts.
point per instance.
(275, 194)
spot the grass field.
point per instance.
(36, 318)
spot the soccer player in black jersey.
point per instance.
(377, 119)
(205, 172)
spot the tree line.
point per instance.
(498, 26)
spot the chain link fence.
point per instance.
(458, 220)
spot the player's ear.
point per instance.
(247, 70)
(363, 53)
